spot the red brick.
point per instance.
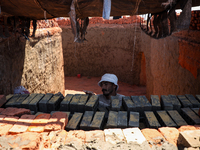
(97, 135)
(76, 136)
(7, 124)
(11, 111)
(185, 128)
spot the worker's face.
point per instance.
(107, 88)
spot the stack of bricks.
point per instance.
(195, 20)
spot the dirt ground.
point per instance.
(75, 85)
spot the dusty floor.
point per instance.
(75, 85)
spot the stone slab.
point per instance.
(92, 103)
(19, 101)
(128, 104)
(155, 102)
(193, 100)
(136, 101)
(166, 103)
(134, 135)
(64, 105)
(151, 120)
(190, 116)
(11, 102)
(33, 105)
(74, 102)
(115, 105)
(87, 119)
(98, 121)
(25, 103)
(54, 103)
(43, 102)
(81, 104)
(134, 119)
(165, 119)
(184, 101)
(122, 120)
(175, 102)
(74, 122)
(174, 114)
(112, 119)
(2, 100)
(145, 103)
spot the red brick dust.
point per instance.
(75, 85)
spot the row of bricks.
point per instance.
(186, 136)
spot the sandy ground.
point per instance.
(75, 85)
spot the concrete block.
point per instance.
(114, 136)
(134, 135)
(112, 119)
(2, 100)
(145, 103)
(184, 101)
(98, 121)
(155, 102)
(19, 101)
(128, 104)
(81, 104)
(193, 100)
(151, 120)
(25, 103)
(11, 102)
(190, 138)
(122, 120)
(74, 122)
(165, 119)
(134, 119)
(115, 104)
(74, 102)
(175, 102)
(43, 102)
(33, 105)
(97, 135)
(54, 103)
(92, 103)
(87, 119)
(190, 116)
(166, 103)
(177, 118)
(64, 105)
(136, 101)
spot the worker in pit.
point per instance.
(109, 86)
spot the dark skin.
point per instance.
(108, 89)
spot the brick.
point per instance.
(175, 102)
(193, 100)
(136, 101)
(196, 110)
(74, 102)
(38, 113)
(57, 121)
(97, 135)
(177, 118)
(184, 101)
(115, 104)
(43, 102)
(112, 119)
(87, 118)
(166, 103)
(134, 135)
(145, 103)
(8, 97)
(170, 133)
(11, 102)
(39, 122)
(64, 105)
(104, 109)
(186, 128)
(54, 103)
(20, 100)
(190, 116)
(114, 136)
(134, 119)
(77, 137)
(1, 109)
(74, 122)
(128, 104)
(33, 104)
(22, 124)
(155, 102)
(11, 111)
(81, 104)
(57, 138)
(151, 120)
(122, 120)
(92, 103)
(7, 124)
(45, 141)
(98, 121)
(2, 100)
(198, 97)
(165, 119)
(190, 138)
(25, 103)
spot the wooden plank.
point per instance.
(81, 104)
(115, 105)
(33, 105)
(25, 103)
(54, 103)
(177, 118)
(74, 102)
(146, 104)
(11, 102)
(87, 119)
(98, 121)
(64, 105)
(166, 103)
(92, 103)
(112, 119)
(74, 122)
(136, 101)
(151, 120)
(190, 116)
(20, 100)
(122, 120)
(193, 100)
(175, 102)
(155, 102)
(165, 119)
(43, 102)
(128, 104)
(134, 119)
(184, 101)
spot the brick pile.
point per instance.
(195, 20)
